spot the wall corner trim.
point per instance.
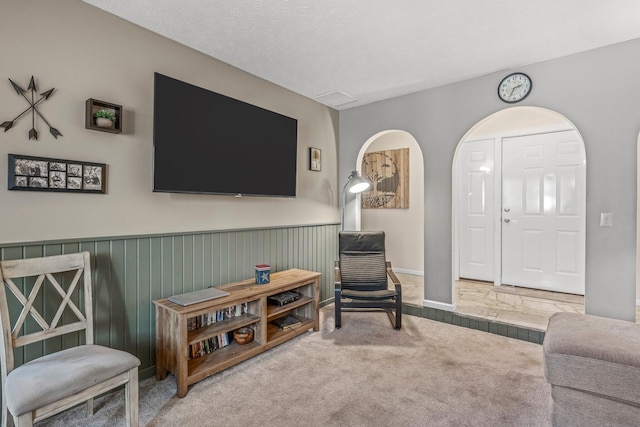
(439, 305)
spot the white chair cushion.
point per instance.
(58, 375)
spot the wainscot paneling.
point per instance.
(130, 272)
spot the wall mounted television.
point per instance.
(205, 142)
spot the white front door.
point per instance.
(476, 212)
(543, 211)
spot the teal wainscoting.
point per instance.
(130, 272)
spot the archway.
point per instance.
(404, 228)
(515, 124)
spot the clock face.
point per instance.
(514, 88)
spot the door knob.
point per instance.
(507, 220)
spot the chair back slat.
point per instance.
(66, 297)
(51, 333)
(44, 269)
(37, 266)
(27, 305)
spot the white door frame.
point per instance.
(519, 124)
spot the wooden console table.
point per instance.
(192, 349)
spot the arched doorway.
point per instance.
(518, 175)
(404, 227)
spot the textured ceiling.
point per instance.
(347, 53)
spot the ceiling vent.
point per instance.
(335, 98)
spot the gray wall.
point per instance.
(592, 89)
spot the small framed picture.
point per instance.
(27, 173)
(57, 179)
(92, 177)
(314, 159)
(74, 170)
(74, 183)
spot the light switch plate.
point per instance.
(606, 219)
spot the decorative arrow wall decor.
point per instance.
(33, 103)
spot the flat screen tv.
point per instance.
(205, 142)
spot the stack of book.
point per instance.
(209, 345)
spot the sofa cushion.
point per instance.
(58, 375)
(593, 354)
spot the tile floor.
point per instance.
(528, 308)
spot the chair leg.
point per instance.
(338, 310)
(7, 418)
(131, 398)
(399, 307)
(25, 420)
(398, 324)
(90, 407)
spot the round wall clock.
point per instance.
(514, 88)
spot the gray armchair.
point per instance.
(362, 277)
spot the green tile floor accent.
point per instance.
(516, 332)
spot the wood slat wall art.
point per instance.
(389, 172)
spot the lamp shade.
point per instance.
(357, 184)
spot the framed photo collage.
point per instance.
(27, 173)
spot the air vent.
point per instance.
(334, 98)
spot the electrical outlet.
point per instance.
(606, 219)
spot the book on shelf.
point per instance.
(207, 319)
(209, 345)
(287, 322)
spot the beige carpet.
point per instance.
(364, 374)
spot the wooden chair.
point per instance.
(55, 382)
(361, 277)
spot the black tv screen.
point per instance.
(205, 142)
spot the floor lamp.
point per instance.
(355, 184)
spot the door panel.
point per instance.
(567, 244)
(476, 219)
(531, 249)
(533, 188)
(543, 227)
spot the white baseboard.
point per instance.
(439, 305)
(405, 271)
(638, 302)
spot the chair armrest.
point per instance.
(393, 277)
(337, 278)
